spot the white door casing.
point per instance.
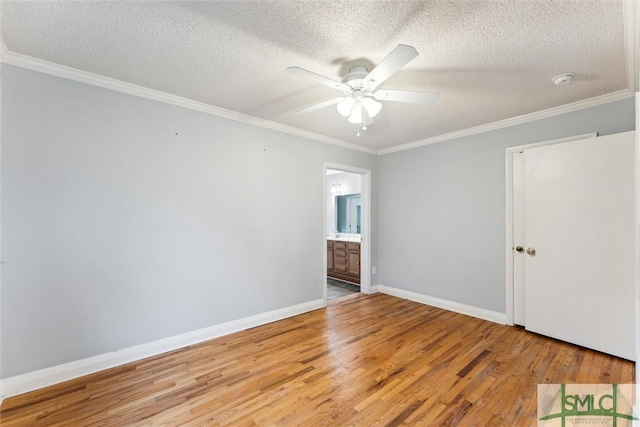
(518, 239)
(515, 224)
(365, 244)
(579, 209)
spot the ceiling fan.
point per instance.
(360, 101)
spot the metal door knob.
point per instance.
(519, 249)
(531, 251)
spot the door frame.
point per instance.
(365, 243)
(509, 152)
(637, 254)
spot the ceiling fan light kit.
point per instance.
(360, 103)
(345, 106)
(373, 107)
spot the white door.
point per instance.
(579, 219)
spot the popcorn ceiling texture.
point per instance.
(489, 60)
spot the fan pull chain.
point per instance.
(364, 118)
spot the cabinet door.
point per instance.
(329, 258)
(353, 259)
(353, 263)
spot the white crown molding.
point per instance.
(469, 310)
(56, 374)
(538, 115)
(631, 13)
(631, 20)
(70, 73)
(3, 49)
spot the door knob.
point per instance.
(519, 249)
(531, 251)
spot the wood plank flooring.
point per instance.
(365, 360)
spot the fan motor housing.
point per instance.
(356, 76)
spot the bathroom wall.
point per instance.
(350, 184)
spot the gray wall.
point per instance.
(442, 207)
(127, 220)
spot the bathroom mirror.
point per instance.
(348, 213)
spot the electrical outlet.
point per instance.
(373, 270)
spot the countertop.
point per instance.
(345, 239)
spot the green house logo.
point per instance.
(585, 404)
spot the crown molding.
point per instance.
(538, 115)
(631, 41)
(70, 73)
(631, 16)
(3, 49)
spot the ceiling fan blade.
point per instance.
(318, 78)
(320, 106)
(406, 96)
(398, 58)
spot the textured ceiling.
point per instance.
(489, 60)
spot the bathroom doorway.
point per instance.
(347, 211)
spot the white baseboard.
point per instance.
(481, 313)
(30, 381)
(375, 289)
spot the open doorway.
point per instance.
(346, 228)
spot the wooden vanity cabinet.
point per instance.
(353, 259)
(343, 260)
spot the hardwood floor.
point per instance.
(362, 361)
